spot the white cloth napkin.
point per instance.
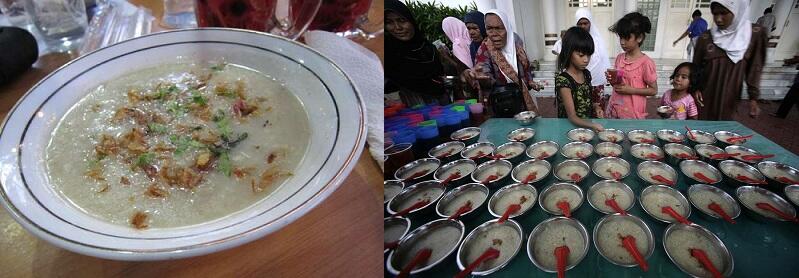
(365, 70)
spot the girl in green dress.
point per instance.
(573, 82)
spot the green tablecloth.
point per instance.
(759, 249)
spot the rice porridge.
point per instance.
(544, 151)
(478, 152)
(609, 238)
(603, 193)
(566, 172)
(610, 136)
(394, 231)
(680, 242)
(577, 151)
(553, 236)
(654, 201)
(703, 198)
(519, 196)
(751, 198)
(504, 238)
(607, 169)
(509, 151)
(428, 194)
(420, 170)
(474, 197)
(550, 202)
(440, 241)
(608, 150)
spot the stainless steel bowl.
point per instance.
(391, 222)
(643, 170)
(767, 168)
(405, 172)
(468, 135)
(526, 117)
(741, 150)
(732, 167)
(411, 244)
(792, 192)
(480, 234)
(391, 188)
(448, 151)
(574, 136)
(669, 136)
(572, 162)
(705, 151)
(624, 169)
(755, 212)
(726, 269)
(522, 170)
(723, 196)
(637, 149)
(614, 184)
(670, 191)
(511, 151)
(722, 136)
(700, 137)
(501, 168)
(665, 111)
(471, 151)
(467, 166)
(410, 191)
(560, 186)
(639, 136)
(610, 220)
(453, 194)
(530, 152)
(715, 174)
(524, 135)
(497, 211)
(609, 149)
(552, 222)
(588, 150)
(672, 150)
(611, 135)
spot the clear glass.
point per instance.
(14, 10)
(287, 18)
(347, 18)
(179, 14)
(62, 23)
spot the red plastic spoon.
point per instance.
(652, 156)
(689, 133)
(451, 178)
(530, 177)
(781, 214)
(646, 140)
(510, 210)
(543, 155)
(724, 155)
(756, 156)
(670, 211)
(675, 140)
(629, 243)
(663, 179)
(497, 157)
(479, 154)
(787, 180)
(612, 154)
(417, 175)
(685, 156)
(490, 179)
(489, 254)
(748, 180)
(390, 245)
(446, 154)
(576, 177)
(702, 257)
(565, 208)
(615, 206)
(421, 257)
(461, 210)
(561, 256)
(580, 155)
(615, 175)
(417, 205)
(703, 178)
(738, 138)
(717, 208)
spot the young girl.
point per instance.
(573, 82)
(637, 71)
(685, 81)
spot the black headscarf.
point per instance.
(412, 64)
(478, 18)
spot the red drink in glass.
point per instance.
(243, 14)
(340, 15)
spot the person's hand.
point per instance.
(597, 127)
(478, 74)
(607, 77)
(623, 89)
(674, 44)
(754, 109)
(698, 98)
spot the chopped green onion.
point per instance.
(197, 98)
(145, 159)
(224, 165)
(157, 128)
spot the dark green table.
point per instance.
(759, 249)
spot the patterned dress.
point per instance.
(581, 95)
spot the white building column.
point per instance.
(550, 26)
(629, 6)
(528, 26)
(485, 5)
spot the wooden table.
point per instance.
(342, 237)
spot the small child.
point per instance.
(637, 70)
(573, 82)
(685, 81)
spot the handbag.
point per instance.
(507, 101)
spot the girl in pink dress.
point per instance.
(685, 81)
(636, 77)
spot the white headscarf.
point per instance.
(599, 62)
(509, 51)
(735, 39)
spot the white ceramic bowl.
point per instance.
(334, 108)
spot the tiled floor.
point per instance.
(782, 131)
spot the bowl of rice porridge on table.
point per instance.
(505, 237)
(714, 202)
(615, 234)
(686, 244)
(545, 150)
(179, 144)
(554, 233)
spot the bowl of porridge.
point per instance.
(656, 172)
(580, 135)
(553, 233)
(714, 202)
(461, 201)
(524, 135)
(523, 195)
(505, 237)
(666, 136)
(726, 138)
(779, 174)
(391, 188)
(545, 150)
(417, 199)
(646, 152)
(762, 204)
(436, 240)
(696, 136)
(179, 146)
(493, 173)
(602, 193)
(744, 154)
(737, 173)
(611, 135)
(700, 171)
(683, 244)
(665, 204)
(448, 151)
(577, 150)
(533, 171)
(456, 172)
(611, 168)
(792, 192)
(510, 151)
(710, 154)
(468, 135)
(418, 170)
(614, 234)
(609, 149)
(479, 152)
(561, 199)
(639, 136)
(574, 171)
(394, 229)
(678, 152)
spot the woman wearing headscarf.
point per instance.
(457, 33)
(502, 69)
(412, 63)
(730, 53)
(475, 24)
(599, 62)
